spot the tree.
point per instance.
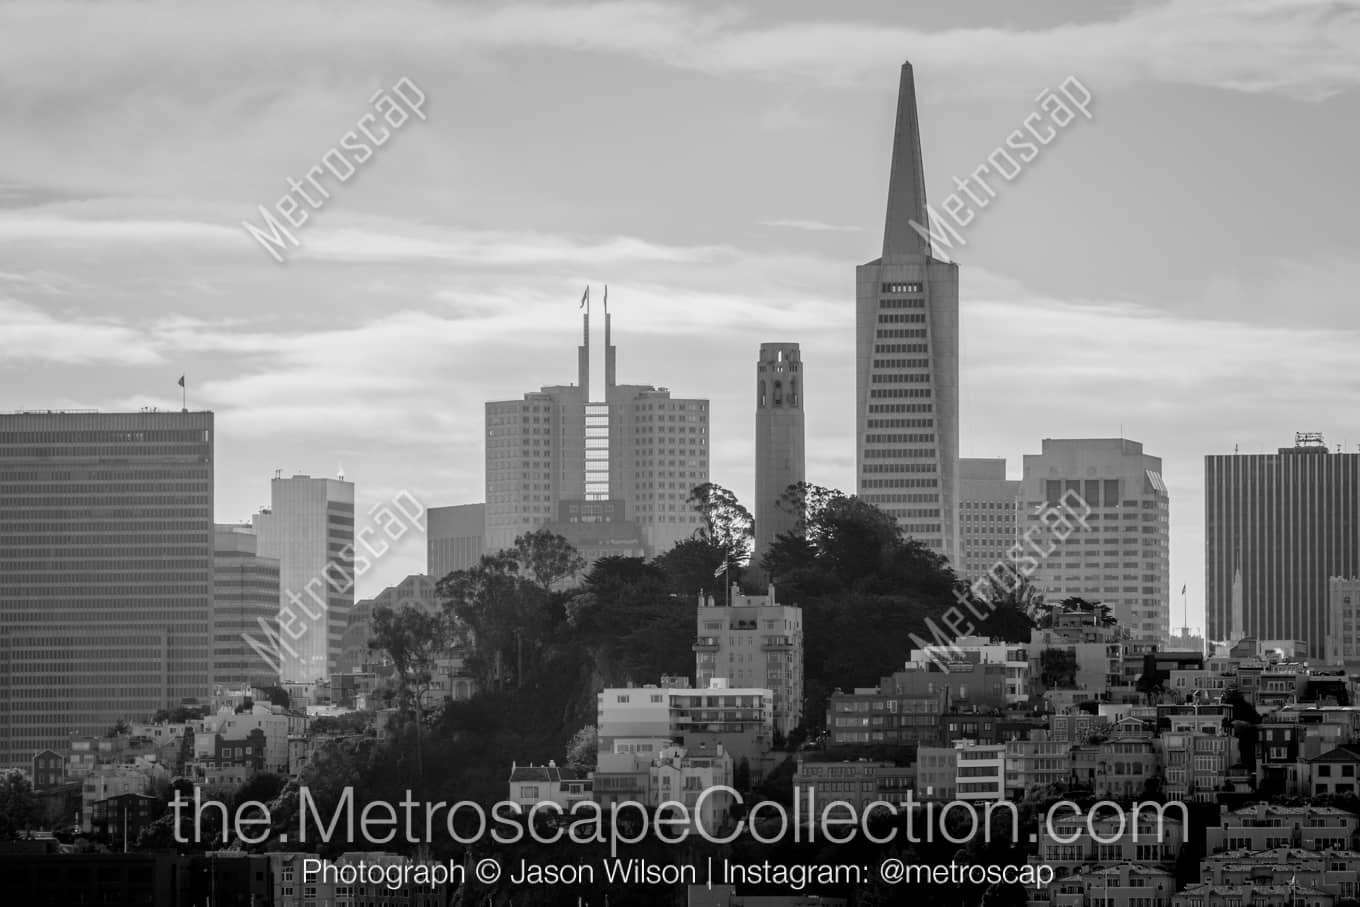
(1058, 669)
(277, 695)
(498, 616)
(19, 809)
(118, 728)
(583, 750)
(690, 566)
(547, 557)
(1009, 606)
(411, 637)
(727, 523)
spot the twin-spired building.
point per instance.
(557, 456)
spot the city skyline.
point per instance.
(374, 347)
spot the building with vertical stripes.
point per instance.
(1286, 523)
(245, 600)
(907, 357)
(454, 538)
(106, 563)
(309, 530)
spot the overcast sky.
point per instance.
(1181, 267)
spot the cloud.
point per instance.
(814, 226)
(35, 336)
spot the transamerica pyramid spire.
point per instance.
(906, 180)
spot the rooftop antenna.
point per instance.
(340, 472)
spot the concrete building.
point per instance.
(937, 773)
(1263, 826)
(106, 521)
(551, 783)
(860, 783)
(1036, 763)
(1336, 772)
(638, 450)
(907, 357)
(1332, 871)
(1118, 885)
(780, 455)
(741, 719)
(989, 513)
(726, 896)
(245, 603)
(1068, 841)
(1254, 894)
(754, 642)
(309, 530)
(1013, 656)
(454, 538)
(1343, 621)
(981, 770)
(338, 884)
(1277, 528)
(1123, 559)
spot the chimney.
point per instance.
(771, 592)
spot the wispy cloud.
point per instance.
(814, 226)
(1310, 54)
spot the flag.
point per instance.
(585, 297)
(722, 569)
(181, 380)
(1183, 590)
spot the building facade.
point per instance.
(309, 530)
(106, 529)
(454, 538)
(1278, 527)
(1123, 559)
(1343, 620)
(640, 448)
(754, 642)
(245, 603)
(988, 516)
(907, 357)
(780, 452)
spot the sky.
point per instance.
(1178, 269)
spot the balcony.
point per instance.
(705, 644)
(777, 643)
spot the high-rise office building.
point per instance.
(640, 449)
(454, 538)
(309, 530)
(245, 593)
(988, 516)
(1122, 560)
(106, 559)
(1285, 523)
(780, 458)
(907, 357)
